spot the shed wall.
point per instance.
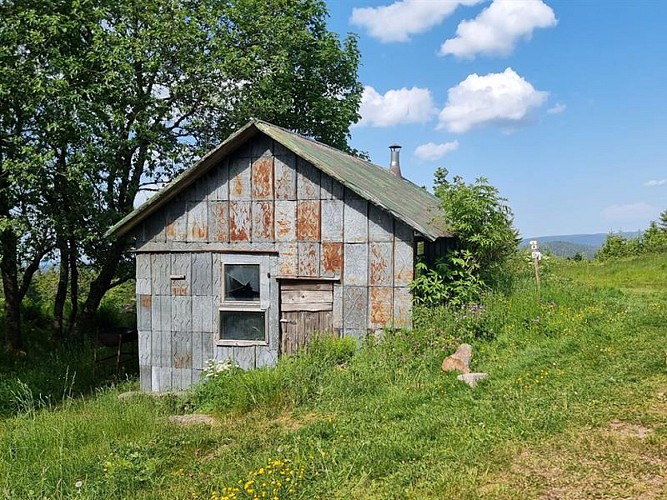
(262, 199)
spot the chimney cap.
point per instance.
(395, 146)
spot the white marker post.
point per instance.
(537, 256)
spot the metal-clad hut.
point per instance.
(267, 239)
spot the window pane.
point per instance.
(241, 282)
(242, 325)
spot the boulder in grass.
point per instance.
(459, 361)
(472, 378)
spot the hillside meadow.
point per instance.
(575, 406)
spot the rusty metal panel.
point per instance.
(308, 181)
(288, 259)
(381, 306)
(402, 307)
(381, 264)
(332, 220)
(332, 259)
(181, 314)
(239, 178)
(218, 221)
(403, 255)
(261, 145)
(197, 229)
(160, 272)
(144, 308)
(380, 224)
(202, 313)
(201, 273)
(181, 274)
(216, 281)
(161, 313)
(262, 221)
(262, 178)
(239, 221)
(218, 177)
(309, 259)
(285, 177)
(176, 229)
(355, 307)
(338, 307)
(355, 221)
(355, 264)
(308, 220)
(285, 215)
(143, 270)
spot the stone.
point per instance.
(192, 419)
(459, 361)
(472, 378)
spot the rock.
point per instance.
(459, 361)
(192, 419)
(472, 378)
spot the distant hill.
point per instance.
(569, 245)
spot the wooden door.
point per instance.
(306, 309)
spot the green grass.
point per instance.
(575, 405)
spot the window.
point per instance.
(243, 311)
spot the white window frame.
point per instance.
(262, 305)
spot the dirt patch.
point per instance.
(192, 419)
(290, 422)
(620, 460)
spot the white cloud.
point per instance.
(404, 105)
(557, 109)
(630, 212)
(432, 152)
(498, 28)
(504, 99)
(656, 182)
(397, 21)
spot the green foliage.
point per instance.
(454, 280)
(486, 241)
(386, 422)
(652, 240)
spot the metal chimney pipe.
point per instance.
(395, 165)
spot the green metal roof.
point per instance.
(404, 200)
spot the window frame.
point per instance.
(256, 306)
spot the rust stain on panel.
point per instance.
(288, 258)
(262, 221)
(146, 301)
(380, 264)
(308, 220)
(332, 259)
(179, 288)
(219, 221)
(262, 178)
(402, 307)
(239, 221)
(381, 306)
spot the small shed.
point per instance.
(268, 239)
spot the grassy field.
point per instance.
(575, 406)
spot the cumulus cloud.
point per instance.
(630, 212)
(504, 99)
(397, 21)
(557, 109)
(404, 105)
(432, 151)
(498, 28)
(656, 182)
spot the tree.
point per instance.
(145, 89)
(663, 221)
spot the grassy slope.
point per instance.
(575, 406)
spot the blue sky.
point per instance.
(562, 105)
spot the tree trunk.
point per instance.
(74, 280)
(100, 285)
(10, 286)
(61, 293)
